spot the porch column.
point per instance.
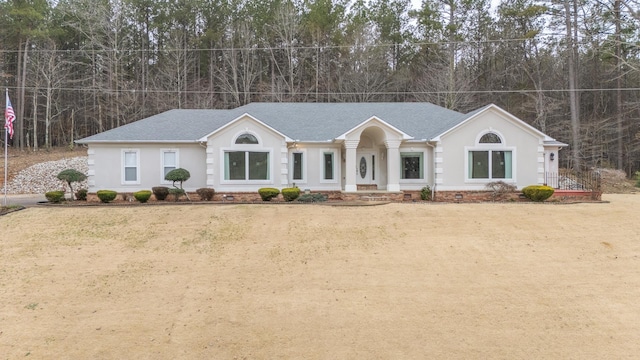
(393, 164)
(350, 165)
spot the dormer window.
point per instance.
(490, 138)
(247, 139)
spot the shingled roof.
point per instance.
(300, 121)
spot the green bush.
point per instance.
(538, 192)
(177, 175)
(637, 178)
(290, 194)
(81, 194)
(55, 196)
(142, 195)
(70, 176)
(206, 194)
(425, 193)
(177, 193)
(106, 195)
(160, 192)
(268, 193)
(307, 198)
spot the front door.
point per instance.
(366, 173)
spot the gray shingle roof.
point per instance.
(300, 121)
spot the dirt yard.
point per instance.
(397, 281)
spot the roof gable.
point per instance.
(240, 118)
(492, 107)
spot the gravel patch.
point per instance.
(40, 178)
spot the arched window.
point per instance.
(490, 159)
(490, 138)
(246, 139)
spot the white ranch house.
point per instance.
(331, 147)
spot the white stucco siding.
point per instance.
(313, 166)
(269, 142)
(107, 166)
(427, 168)
(454, 147)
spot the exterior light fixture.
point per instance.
(552, 156)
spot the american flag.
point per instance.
(9, 117)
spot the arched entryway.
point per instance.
(370, 160)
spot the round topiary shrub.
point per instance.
(268, 193)
(70, 176)
(290, 194)
(538, 192)
(55, 196)
(81, 194)
(206, 194)
(142, 195)
(160, 192)
(106, 195)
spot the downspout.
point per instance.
(433, 187)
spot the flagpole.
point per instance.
(6, 165)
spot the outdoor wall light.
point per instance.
(552, 156)
(458, 196)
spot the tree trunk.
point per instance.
(573, 98)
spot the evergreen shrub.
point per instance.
(106, 195)
(307, 198)
(55, 196)
(177, 193)
(81, 194)
(142, 195)
(425, 193)
(290, 194)
(538, 192)
(268, 193)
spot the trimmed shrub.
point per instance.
(538, 192)
(106, 195)
(177, 175)
(206, 194)
(142, 195)
(425, 193)
(70, 176)
(55, 196)
(268, 193)
(177, 193)
(290, 194)
(81, 194)
(160, 192)
(307, 198)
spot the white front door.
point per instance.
(366, 168)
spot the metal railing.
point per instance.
(570, 180)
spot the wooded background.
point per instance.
(571, 68)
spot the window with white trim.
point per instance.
(412, 164)
(297, 165)
(169, 161)
(490, 159)
(246, 165)
(131, 166)
(328, 166)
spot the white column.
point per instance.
(350, 165)
(393, 164)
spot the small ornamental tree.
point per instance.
(178, 175)
(71, 176)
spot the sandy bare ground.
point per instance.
(399, 281)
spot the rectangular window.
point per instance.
(258, 166)
(246, 165)
(130, 167)
(297, 166)
(490, 164)
(169, 161)
(412, 165)
(328, 166)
